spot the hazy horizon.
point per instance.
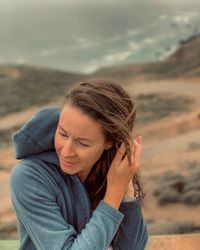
(84, 36)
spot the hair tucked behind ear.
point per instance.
(109, 104)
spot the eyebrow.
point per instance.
(79, 138)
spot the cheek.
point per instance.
(93, 155)
(57, 143)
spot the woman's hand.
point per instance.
(120, 174)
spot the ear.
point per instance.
(108, 145)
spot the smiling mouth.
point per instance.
(68, 163)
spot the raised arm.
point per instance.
(40, 216)
(132, 233)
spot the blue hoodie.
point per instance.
(53, 209)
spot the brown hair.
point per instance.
(109, 104)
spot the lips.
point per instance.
(68, 163)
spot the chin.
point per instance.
(67, 171)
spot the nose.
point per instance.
(68, 149)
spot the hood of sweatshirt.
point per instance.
(36, 137)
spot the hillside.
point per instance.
(25, 86)
(184, 62)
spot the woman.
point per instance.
(76, 186)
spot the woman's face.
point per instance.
(79, 141)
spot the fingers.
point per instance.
(120, 160)
(137, 152)
(120, 154)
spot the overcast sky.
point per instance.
(113, 1)
(167, 3)
(53, 32)
(108, 16)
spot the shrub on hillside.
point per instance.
(174, 187)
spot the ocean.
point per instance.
(84, 36)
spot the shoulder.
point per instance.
(34, 175)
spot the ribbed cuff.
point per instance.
(111, 211)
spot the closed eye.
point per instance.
(79, 142)
(83, 144)
(63, 134)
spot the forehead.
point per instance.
(78, 124)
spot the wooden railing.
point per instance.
(174, 242)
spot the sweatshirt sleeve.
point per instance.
(38, 211)
(132, 233)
